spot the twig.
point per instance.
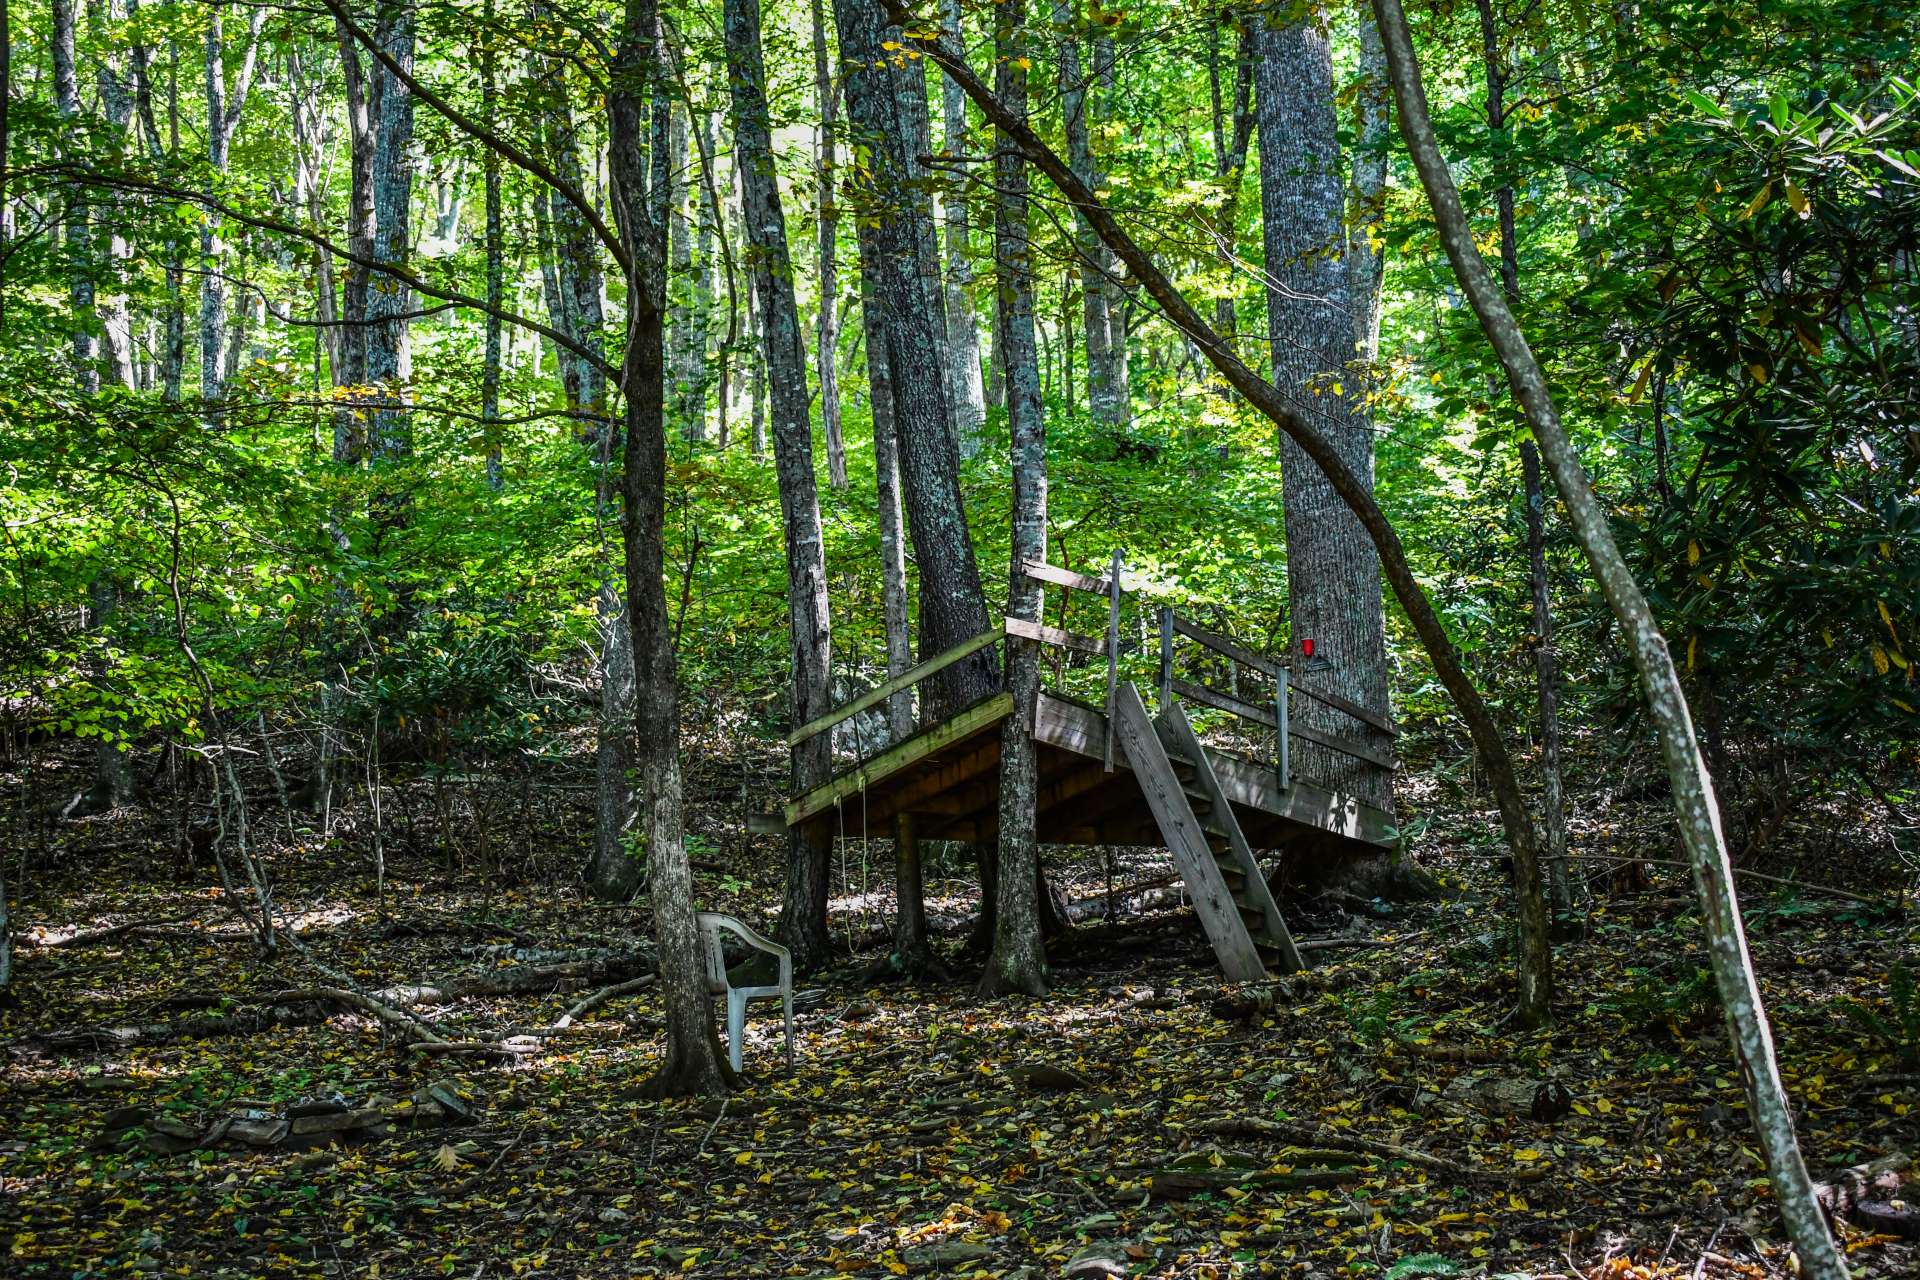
(601, 997)
(1306, 1136)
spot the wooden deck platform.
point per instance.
(1115, 775)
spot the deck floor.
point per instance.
(948, 777)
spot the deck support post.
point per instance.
(1113, 649)
(1166, 658)
(1282, 685)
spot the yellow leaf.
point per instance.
(447, 1158)
(1759, 201)
(1899, 659)
(1797, 200)
(1526, 1155)
(745, 1157)
(1693, 552)
(1517, 1203)
(1880, 662)
(1759, 372)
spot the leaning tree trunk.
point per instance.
(1018, 959)
(1338, 619)
(1534, 966)
(693, 1062)
(1693, 799)
(952, 606)
(803, 915)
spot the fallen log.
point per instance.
(519, 980)
(1309, 1136)
(1869, 1195)
(1182, 1184)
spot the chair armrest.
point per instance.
(741, 930)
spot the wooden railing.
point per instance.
(1279, 719)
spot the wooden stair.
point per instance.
(1209, 849)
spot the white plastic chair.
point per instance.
(712, 924)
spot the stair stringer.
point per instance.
(1186, 838)
(1177, 736)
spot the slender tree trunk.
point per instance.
(1693, 799)
(803, 916)
(963, 327)
(76, 219)
(1535, 968)
(1373, 125)
(693, 1062)
(1232, 131)
(1018, 958)
(496, 257)
(952, 606)
(223, 117)
(116, 352)
(1079, 89)
(826, 326)
(349, 444)
(1552, 804)
(1333, 573)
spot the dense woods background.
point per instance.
(449, 446)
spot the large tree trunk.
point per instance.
(952, 607)
(77, 221)
(1535, 965)
(963, 327)
(693, 1062)
(1018, 959)
(1693, 799)
(1333, 571)
(803, 915)
(895, 604)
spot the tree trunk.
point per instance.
(223, 117)
(1081, 92)
(693, 1063)
(826, 326)
(952, 606)
(1694, 806)
(1373, 122)
(389, 360)
(1232, 131)
(1552, 805)
(1333, 573)
(963, 327)
(349, 443)
(77, 229)
(803, 916)
(1018, 959)
(496, 255)
(1535, 966)
(895, 604)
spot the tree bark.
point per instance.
(77, 228)
(1552, 804)
(803, 915)
(895, 605)
(1694, 806)
(1535, 966)
(1232, 131)
(223, 118)
(963, 328)
(1333, 573)
(693, 1062)
(826, 325)
(952, 606)
(1373, 122)
(496, 258)
(1017, 961)
(1079, 96)
(389, 358)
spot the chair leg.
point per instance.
(786, 1005)
(736, 1026)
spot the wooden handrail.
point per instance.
(1260, 715)
(1040, 571)
(1260, 662)
(905, 680)
(1055, 636)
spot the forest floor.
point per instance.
(1143, 1120)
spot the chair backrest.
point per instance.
(712, 952)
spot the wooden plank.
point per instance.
(1345, 746)
(1283, 765)
(1186, 840)
(1113, 650)
(1272, 667)
(1260, 715)
(1040, 571)
(1166, 657)
(1178, 736)
(964, 724)
(1220, 644)
(881, 692)
(1055, 636)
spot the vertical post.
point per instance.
(1282, 685)
(1113, 648)
(1166, 656)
